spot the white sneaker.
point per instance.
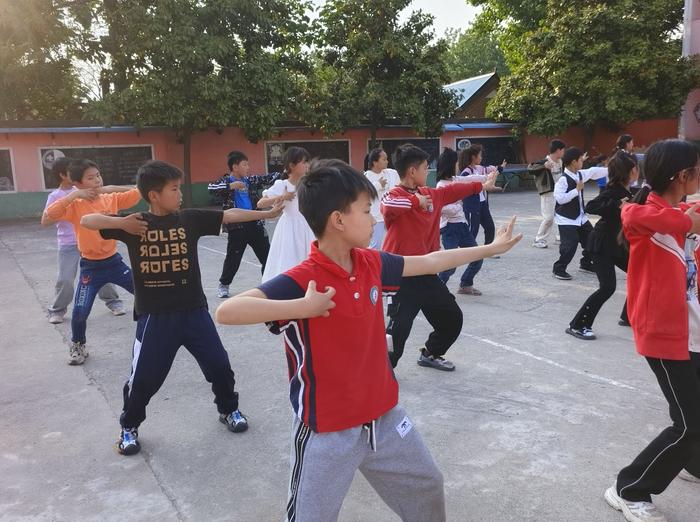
(55, 318)
(688, 476)
(633, 511)
(76, 354)
(539, 244)
(222, 291)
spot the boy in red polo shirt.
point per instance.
(412, 218)
(342, 387)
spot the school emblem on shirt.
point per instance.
(374, 295)
(85, 279)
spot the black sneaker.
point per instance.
(624, 322)
(587, 270)
(235, 421)
(584, 333)
(128, 443)
(563, 275)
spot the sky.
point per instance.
(449, 14)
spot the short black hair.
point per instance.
(234, 158)
(294, 155)
(330, 185)
(571, 154)
(623, 140)
(60, 167)
(407, 156)
(446, 164)
(153, 175)
(372, 157)
(556, 145)
(467, 155)
(620, 168)
(77, 168)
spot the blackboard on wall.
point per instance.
(326, 149)
(7, 183)
(429, 145)
(495, 149)
(118, 165)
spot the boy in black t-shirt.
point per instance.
(170, 305)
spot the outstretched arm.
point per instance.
(254, 307)
(108, 189)
(238, 215)
(133, 224)
(60, 208)
(445, 259)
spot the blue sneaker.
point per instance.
(235, 421)
(128, 443)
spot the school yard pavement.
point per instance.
(532, 426)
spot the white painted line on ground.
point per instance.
(592, 376)
(224, 253)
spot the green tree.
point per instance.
(371, 69)
(596, 64)
(37, 76)
(472, 53)
(509, 22)
(195, 64)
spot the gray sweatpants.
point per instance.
(68, 261)
(401, 470)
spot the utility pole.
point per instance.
(689, 125)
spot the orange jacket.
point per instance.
(90, 243)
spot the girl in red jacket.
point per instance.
(656, 229)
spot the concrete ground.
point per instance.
(532, 426)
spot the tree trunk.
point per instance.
(187, 182)
(373, 137)
(588, 134)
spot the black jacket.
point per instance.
(603, 240)
(544, 180)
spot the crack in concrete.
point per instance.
(93, 381)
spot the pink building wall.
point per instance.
(209, 148)
(644, 132)
(27, 162)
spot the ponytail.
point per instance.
(640, 198)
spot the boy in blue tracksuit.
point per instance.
(239, 190)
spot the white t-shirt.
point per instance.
(478, 173)
(691, 246)
(454, 212)
(392, 178)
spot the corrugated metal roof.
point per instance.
(69, 130)
(476, 125)
(467, 88)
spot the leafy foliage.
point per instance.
(37, 78)
(593, 63)
(472, 53)
(370, 68)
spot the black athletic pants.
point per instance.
(605, 270)
(239, 237)
(429, 295)
(571, 236)
(678, 446)
(158, 339)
